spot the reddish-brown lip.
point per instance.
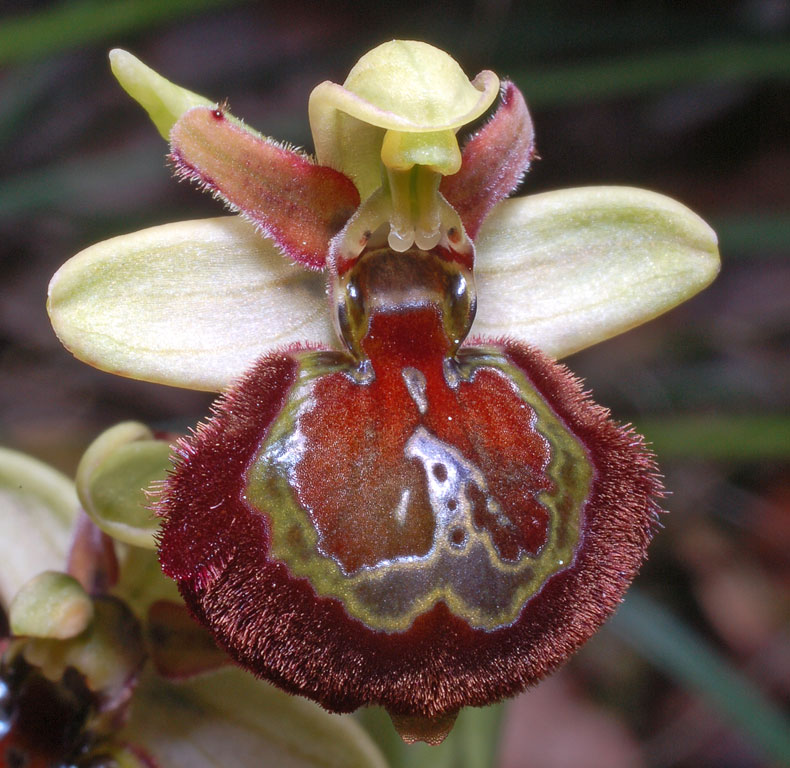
(286, 629)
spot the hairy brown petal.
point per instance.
(493, 162)
(298, 204)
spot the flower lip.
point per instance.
(218, 543)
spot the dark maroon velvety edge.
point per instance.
(275, 626)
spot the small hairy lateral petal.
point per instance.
(494, 161)
(293, 201)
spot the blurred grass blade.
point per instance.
(71, 24)
(20, 90)
(720, 62)
(724, 438)
(82, 183)
(479, 736)
(686, 657)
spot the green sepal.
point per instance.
(164, 101)
(109, 653)
(228, 718)
(114, 476)
(37, 508)
(52, 604)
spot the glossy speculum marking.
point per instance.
(420, 486)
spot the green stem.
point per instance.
(473, 742)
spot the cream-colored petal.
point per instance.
(411, 85)
(418, 111)
(228, 718)
(192, 304)
(348, 145)
(37, 508)
(564, 270)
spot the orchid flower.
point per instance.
(381, 510)
(103, 665)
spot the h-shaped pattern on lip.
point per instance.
(468, 521)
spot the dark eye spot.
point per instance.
(452, 504)
(457, 537)
(440, 472)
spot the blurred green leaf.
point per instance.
(646, 73)
(562, 29)
(756, 233)
(686, 657)
(733, 438)
(70, 24)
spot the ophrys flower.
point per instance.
(382, 512)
